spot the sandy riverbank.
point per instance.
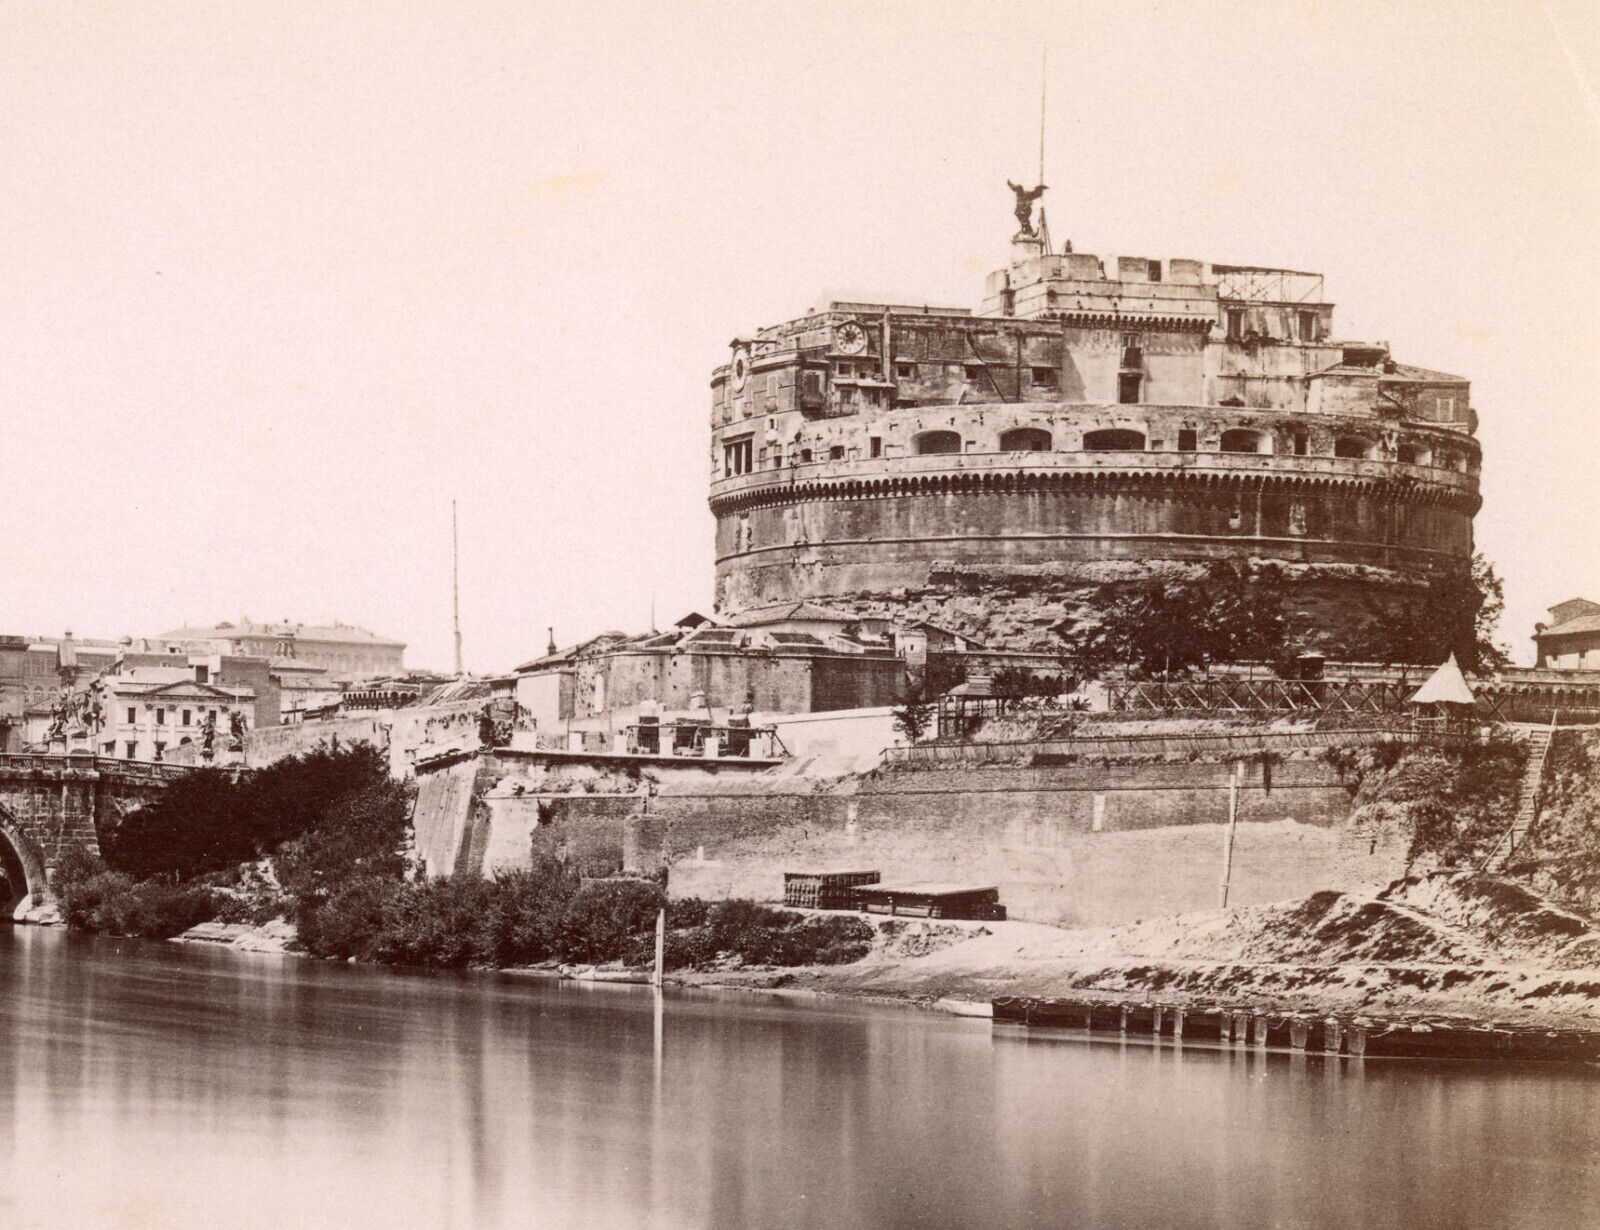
(1473, 947)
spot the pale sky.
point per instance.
(282, 279)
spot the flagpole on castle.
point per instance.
(1044, 60)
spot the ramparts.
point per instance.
(1070, 844)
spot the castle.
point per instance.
(1098, 421)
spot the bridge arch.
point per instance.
(22, 874)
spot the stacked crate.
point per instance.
(824, 890)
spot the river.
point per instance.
(175, 1086)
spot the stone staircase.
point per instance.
(1528, 802)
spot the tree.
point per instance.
(1490, 652)
(1458, 613)
(914, 718)
(1232, 613)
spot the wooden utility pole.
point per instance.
(455, 584)
(1233, 820)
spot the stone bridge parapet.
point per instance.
(50, 804)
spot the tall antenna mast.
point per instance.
(1044, 60)
(455, 584)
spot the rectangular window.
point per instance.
(1187, 443)
(202, 673)
(1299, 444)
(1308, 326)
(186, 718)
(973, 371)
(805, 455)
(813, 384)
(905, 371)
(1128, 387)
(1155, 271)
(1235, 320)
(133, 750)
(161, 717)
(1044, 377)
(875, 446)
(133, 718)
(836, 453)
(847, 370)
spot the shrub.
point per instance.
(603, 915)
(351, 920)
(359, 834)
(109, 903)
(431, 923)
(521, 924)
(682, 949)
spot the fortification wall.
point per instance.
(404, 734)
(826, 547)
(1072, 845)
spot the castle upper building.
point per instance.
(1097, 420)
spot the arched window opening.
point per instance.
(937, 442)
(1243, 440)
(1351, 446)
(1414, 455)
(1113, 440)
(1025, 440)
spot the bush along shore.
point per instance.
(318, 840)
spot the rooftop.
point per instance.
(337, 634)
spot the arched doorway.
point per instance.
(1243, 440)
(937, 442)
(21, 868)
(1113, 440)
(1025, 440)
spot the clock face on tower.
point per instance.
(850, 338)
(740, 368)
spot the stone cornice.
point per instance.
(1375, 479)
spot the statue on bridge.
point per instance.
(236, 729)
(208, 736)
(60, 714)
(91, 706)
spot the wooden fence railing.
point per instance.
(1164, 746)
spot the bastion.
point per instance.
(1097, 421)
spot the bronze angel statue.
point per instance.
(1025, 199)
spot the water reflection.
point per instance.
(165, 1085)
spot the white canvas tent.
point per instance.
(1446, 686)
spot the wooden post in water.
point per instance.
(661, 946)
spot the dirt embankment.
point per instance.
(1464, 945)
